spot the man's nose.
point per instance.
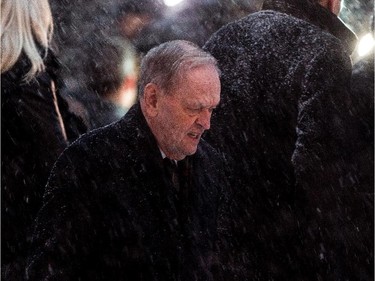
(204, 119)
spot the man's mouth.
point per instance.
(194, 135)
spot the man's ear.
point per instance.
(151, 96)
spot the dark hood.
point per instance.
(316, 14)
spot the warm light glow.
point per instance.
(127, 94)
(366, 44)
(128, 98)
(172, 3)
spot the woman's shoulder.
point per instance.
(17, 73)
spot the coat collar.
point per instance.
(133, 126)
(315, 14)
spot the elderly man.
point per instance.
(113, 210)
(286, 121)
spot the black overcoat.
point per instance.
(111, 213)
(31, 141)
(285, 120)
(363, 110)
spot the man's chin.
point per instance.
(181, 156)
(191, 151)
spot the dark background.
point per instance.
(84, 30)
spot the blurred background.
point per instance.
(100, 42)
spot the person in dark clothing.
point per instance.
(363, 214)
(284, 120)
(100, 60)
(97, 98)
(363, 90)
(36, 124)
(113, 210)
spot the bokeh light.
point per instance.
(172, 3)
(366, 44)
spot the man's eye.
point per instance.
(194, 110)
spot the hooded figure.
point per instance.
(285, 124)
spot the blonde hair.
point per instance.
(26, 25)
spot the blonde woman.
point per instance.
(35, 123)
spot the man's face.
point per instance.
(336, 7)
(333, 5)
(185, 113)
